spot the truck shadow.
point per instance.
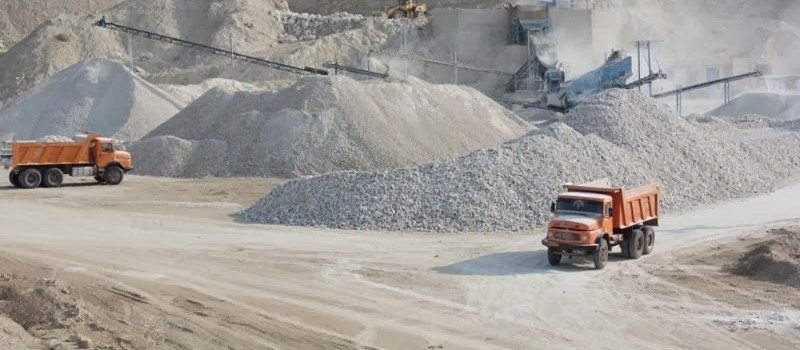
(518, 263)
(66, 185)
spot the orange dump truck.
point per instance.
(35, 164)
(592, 218)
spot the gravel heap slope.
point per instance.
(92, 95)
(324, 124)
(619, 134)
(55, 45)
(772, 105)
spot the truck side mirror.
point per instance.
(552, 207)
(610, 212)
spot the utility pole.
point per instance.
(647, 45)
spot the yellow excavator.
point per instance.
(407, 9)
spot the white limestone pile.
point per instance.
(169, 156)
(55, 138)
(323, 124)
(67, 39)
(94, 95)
(306, 26)
(619, 134)
(773, 105)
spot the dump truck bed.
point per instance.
(27, 153)
(632, 207)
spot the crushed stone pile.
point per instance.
(93, 95)
(169, 156)
(773, 105)
(189, 93)
(619, 134)
(306, 26)
(55, 45)
(245, 24)
(19, 18)
(717, 124)
(55, 138)
(69, 38)
(775, 260)
(323, 124)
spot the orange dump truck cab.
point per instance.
(35, 163)
(592, 218)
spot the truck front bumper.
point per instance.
(569, 248)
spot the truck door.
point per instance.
(608, 219)
(105, 154)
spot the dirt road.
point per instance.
(160, 265)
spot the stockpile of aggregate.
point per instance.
(324, 124)
(773, 105)
(619, 134)
(94, 95)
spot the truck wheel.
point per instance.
(113, 175)
(53, 177)
(649, 239)
(601, 255)
(553, 257)
(13, 178)
(624, 247)
(636, 245)
(30, 178)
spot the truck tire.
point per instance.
(13, 178)
(649, 239)
(636, 245)
(601, 255)
(113, 175)
(53, 177)
(553, 257)
(30, 178)
(623, 246)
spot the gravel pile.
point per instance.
(169, 156)
(324, 124)
(306, 26)
(773, 105)
(55, 138)
(619, 134)
(93, 95)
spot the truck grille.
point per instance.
(567, 236)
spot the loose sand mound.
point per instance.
(776, 260)
(93, 95)
(619, 134)
(324, 124)
(775, 106)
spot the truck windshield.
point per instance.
(579, 206)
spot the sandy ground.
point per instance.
(159, 264)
